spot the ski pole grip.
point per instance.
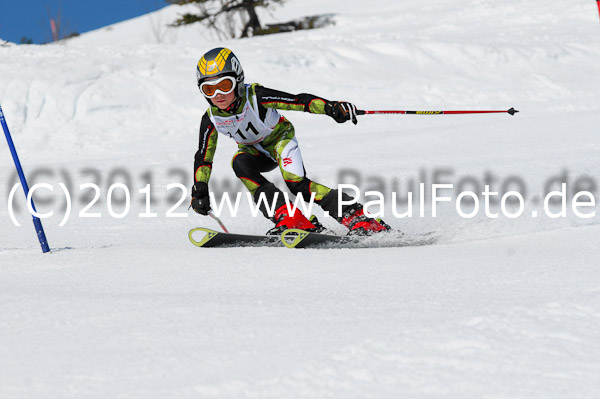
(361, 112)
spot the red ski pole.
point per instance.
(511, 111)
(598, 2)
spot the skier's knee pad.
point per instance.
(251, 166)
(241, 164)
(302, 186)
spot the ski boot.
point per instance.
(360, 224)
(283, 221)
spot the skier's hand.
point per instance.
(341, 111)
(200, 199)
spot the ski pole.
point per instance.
(212, 215)
(511, 111)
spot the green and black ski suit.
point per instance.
(266, 140)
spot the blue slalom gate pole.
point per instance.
(36, 221)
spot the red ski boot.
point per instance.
(360, 224)
(284, 220)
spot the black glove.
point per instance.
(341, 111)
(200, 199)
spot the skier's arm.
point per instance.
(203, 165)
(206, 150)
(270, 98)
(340, 111)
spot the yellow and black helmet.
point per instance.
(220, 61)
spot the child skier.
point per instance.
(248, 114)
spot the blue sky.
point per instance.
(31, 18)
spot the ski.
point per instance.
(295, 238)
(213, 239)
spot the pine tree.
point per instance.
(226, 17)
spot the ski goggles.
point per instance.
(211, 88)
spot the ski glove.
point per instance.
(341, 111)
(200, 199)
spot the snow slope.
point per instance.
(128, 308)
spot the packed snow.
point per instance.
(124, 306)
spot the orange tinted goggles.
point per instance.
(224, 85)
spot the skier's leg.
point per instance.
(284, 218)
(292, 169)
(248, 164)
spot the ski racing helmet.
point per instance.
(220, 61)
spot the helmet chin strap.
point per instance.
(234, 105)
